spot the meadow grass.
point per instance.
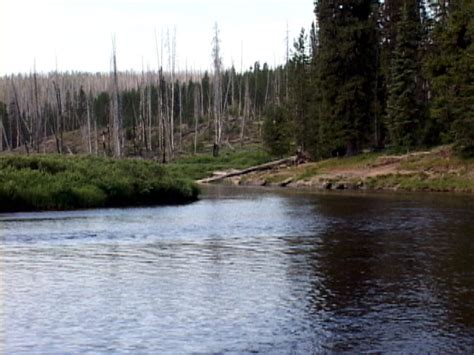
(62, 183)
(422, 182)
(324, 166)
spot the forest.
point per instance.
(366, 75)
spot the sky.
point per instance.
(77, 34)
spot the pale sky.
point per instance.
(79, 32)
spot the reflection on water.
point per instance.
(243, 271)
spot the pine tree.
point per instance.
(405, 112)
(299, 85)
(277, 131)
(451, 70)
(345, 76)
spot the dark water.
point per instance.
(243, 271)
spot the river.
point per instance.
(243, 270)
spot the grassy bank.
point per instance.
(201, 166)
(435, 170)
(61, 183)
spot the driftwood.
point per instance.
(263, 167)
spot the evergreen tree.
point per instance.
(345, 76)
(101, 109)
(405, 111)
(451, 70)
(277, 131)
(206, 93)
(81, 110)
(299, 93)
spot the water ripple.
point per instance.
(242, 271)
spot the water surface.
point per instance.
(243, 270)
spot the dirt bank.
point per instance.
(434, 170)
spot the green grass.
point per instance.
(203, 165)
(422, 182)
(437, 163)
(361, 160)
(437, 171)
(356, 161)
(62, 183)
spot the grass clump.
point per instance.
(422, 182)
(330, 165)
(63, 183)
(361, 160)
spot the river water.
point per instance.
(243, 270)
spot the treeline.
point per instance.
(369, 74)
(148, 113)
(375, 74)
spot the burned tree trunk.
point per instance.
(196, 116)
(217, 86)
(116, 110)
(23, 132)
(60, 120)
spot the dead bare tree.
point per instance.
(217, 86)
(59, 129)
(88, 108)
(287, 61)
(160, 114)
(197, 93)
(3, 135)
(241, 108)
(171, 44)
(246, 112)
(149, 112)
(180, 102)
(116, 111)
(36, 125)
(22, 127)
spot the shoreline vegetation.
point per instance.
(436, 170)
(54, 182)
(58, 182)
(50, 182)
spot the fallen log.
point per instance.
(262, 167)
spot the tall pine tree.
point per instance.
(451, 70)
(404, 108)
(299, 93)
(345, 76)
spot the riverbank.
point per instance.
(435, 170)
(33, 183)
(200, 166)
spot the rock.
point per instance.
(235, 181)
(327, 185)
(286, 182)
(340, 186)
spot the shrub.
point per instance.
(55, 182)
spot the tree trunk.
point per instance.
(262, 167)
(116, 111)
(196, 116)
(89, 142)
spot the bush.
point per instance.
(59, 183)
